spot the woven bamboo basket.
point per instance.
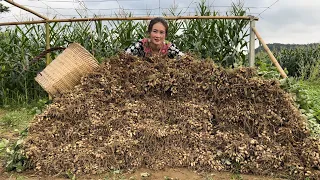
(65, 72)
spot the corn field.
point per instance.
(302, 62)
(219, 39)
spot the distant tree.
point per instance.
(3, 8)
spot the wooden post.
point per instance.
(273, 59)
(252, 43)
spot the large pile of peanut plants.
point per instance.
(156, 113)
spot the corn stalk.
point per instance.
(301, 62)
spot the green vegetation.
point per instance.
(223, 40)
(313, 91)
(16, 118)
(13, 129)
(305, 101)
(302, 62)
(12, 154)
(15, 160)
(276, 47)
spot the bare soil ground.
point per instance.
(168, 174)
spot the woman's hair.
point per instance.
(155, 21)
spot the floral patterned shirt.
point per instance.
(143, 49)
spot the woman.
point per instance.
(156, 44)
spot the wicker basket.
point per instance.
(66, 70)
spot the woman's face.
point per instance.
(158, 34)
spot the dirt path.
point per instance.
(143, 174)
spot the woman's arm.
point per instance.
(174, 51)
(135, 49)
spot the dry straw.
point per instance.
(66, 70)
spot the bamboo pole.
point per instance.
(273, 59)
(126, 18)
(26, 9)
(22, 22)
(48, 60)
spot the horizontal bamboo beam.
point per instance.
(125, 18)
(273, 59)
(26, 9)
(22, 22)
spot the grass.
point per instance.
(14, 120)
(2, 113)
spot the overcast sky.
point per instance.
(282, 21)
